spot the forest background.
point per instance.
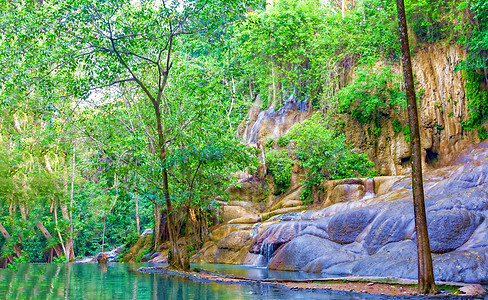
(102, 100)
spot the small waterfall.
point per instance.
(253, 135)
(255, 229)
(256, 260)
(369, 189)
(267, 251)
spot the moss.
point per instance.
(142, 244)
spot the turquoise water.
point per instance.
(123, 281)
(259, 273)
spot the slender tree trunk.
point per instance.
(48, 236)
(110, 210)
(103, 231)
(7, 236)
(59, 233)
(273, 75)
(70, 242)
(343, 8)
(174, 255)
(136, 198)
(426, 283)
(157, 225)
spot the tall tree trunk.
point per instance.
(59, 233)
(70, 243)
(426, 283)
(174, 254)
(110, 210)
(103, 231)
(136, 198)
(157, 225)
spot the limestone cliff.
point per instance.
(442, 108)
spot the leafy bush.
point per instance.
(269, 143)
(434, 20)
(370, 93)
(300, 44)
(279, 166)
(283, 141)
(482, 133)
(325, 154)
(397, 127)
(477, 100)
(406, 133)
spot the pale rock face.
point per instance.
(263, 125)
(442, 104)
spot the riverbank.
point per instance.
(375, 288)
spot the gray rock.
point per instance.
(471, 199)
(295, 255)
(462, 266)
(343, 228)
(449, 229)
(390, 226)
(473, 290)
(278, 234)
(395, 259)
(320, 264)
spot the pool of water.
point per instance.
(259, 273)
(123, 281)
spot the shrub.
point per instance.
(279, 166)
(482, 133)
(283, 141)
(325, 154)
(397, 127)
(477, 100)
(370, 93)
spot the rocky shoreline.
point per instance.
(364, 287)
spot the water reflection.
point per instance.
(123, 281)
(260, 273)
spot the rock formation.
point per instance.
(373, 236)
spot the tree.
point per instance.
(426, 283)
(125, 45)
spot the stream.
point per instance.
(123, 281)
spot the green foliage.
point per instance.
(269, 143)
(370, 94)
(477, 100)
(406, 133)
(435, 20)
(476, 37)
(60, 260)
(141, 254)
(298, 45)
(283, 141)
(483, 135)
(23, 258)
(397, 126)
(325, 154)
(279, 166)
